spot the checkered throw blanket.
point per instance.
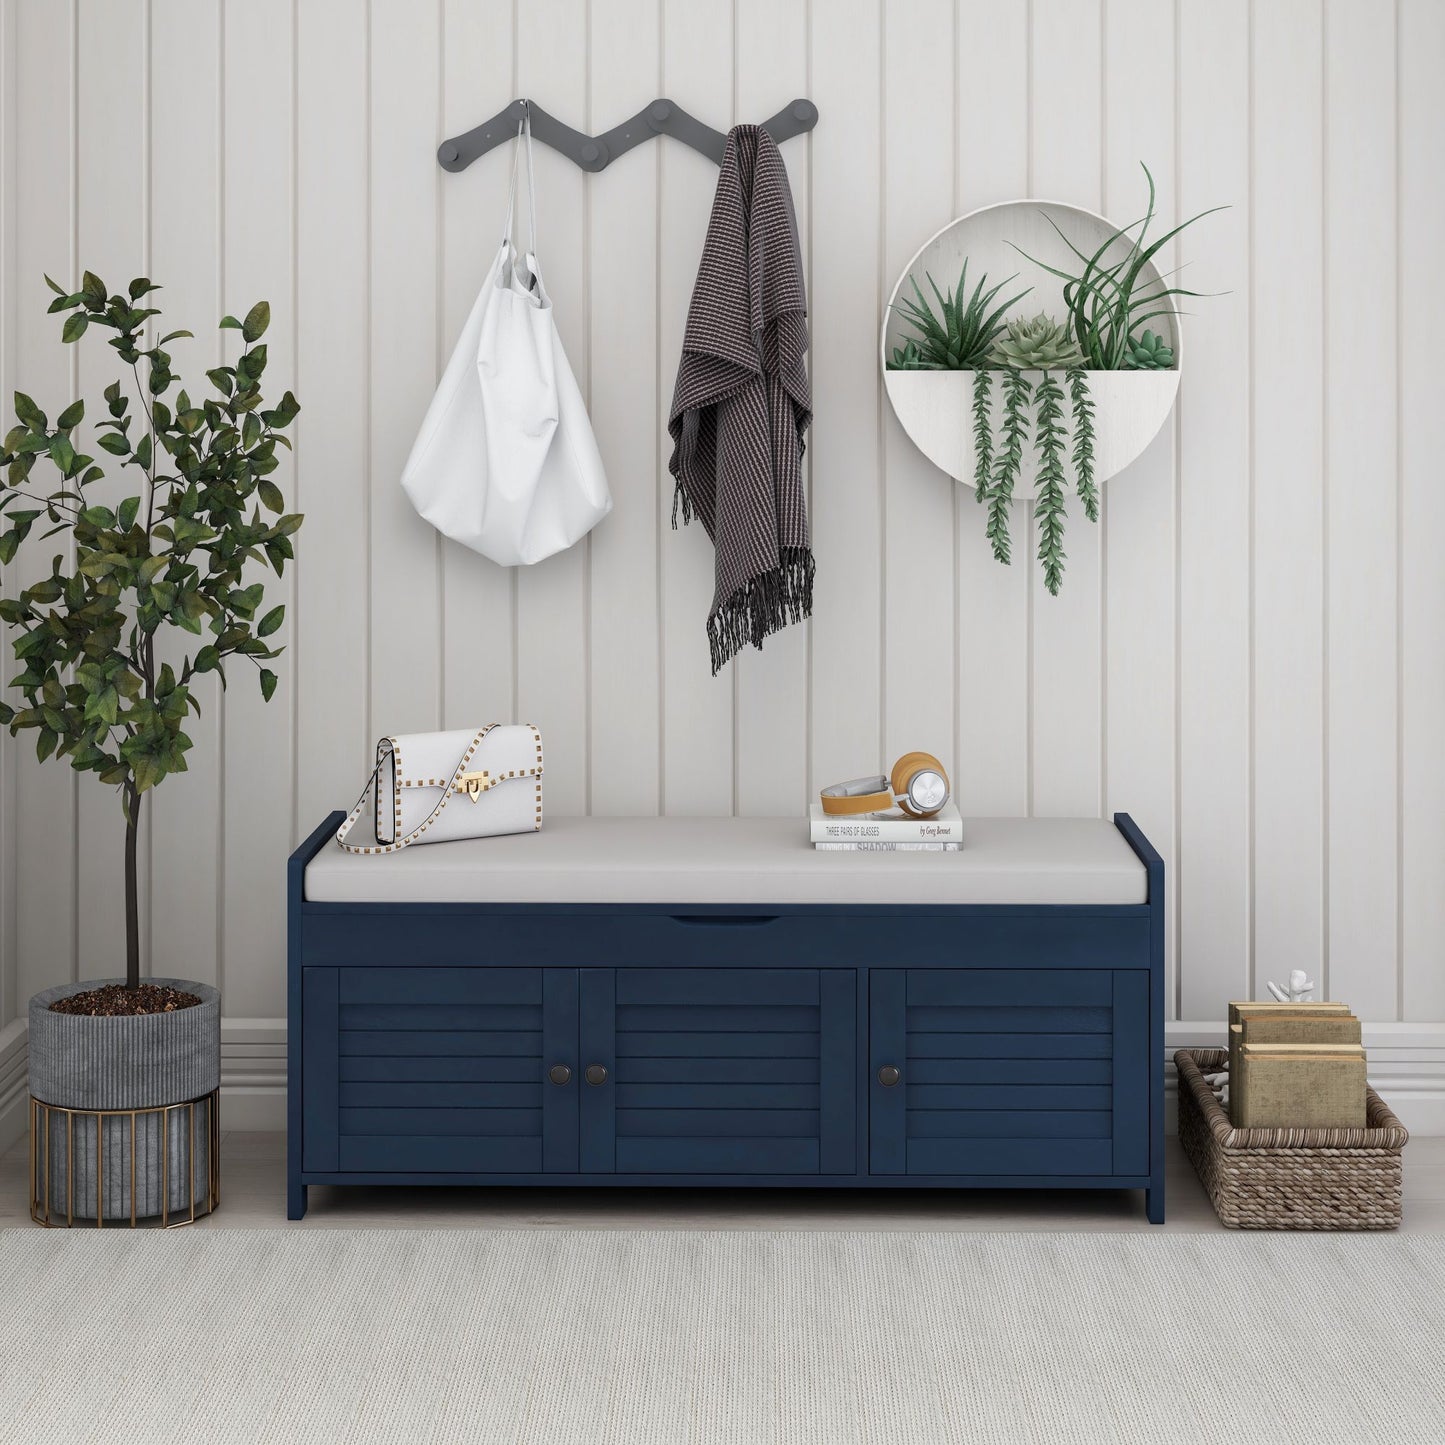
(742, 405)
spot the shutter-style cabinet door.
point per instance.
(1010, 1072)
(444, 1070)
(718, 1071)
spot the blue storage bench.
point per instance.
(713, 1002)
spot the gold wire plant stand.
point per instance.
(55, 1213)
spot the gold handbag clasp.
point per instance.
(475, 784)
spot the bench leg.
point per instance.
(1154, 1202)
(295, 1200)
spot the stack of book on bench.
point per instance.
(1295, 1066)
(890, 832)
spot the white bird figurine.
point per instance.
(1300, 989)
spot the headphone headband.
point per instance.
(878, 794)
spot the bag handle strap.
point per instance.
(344, 831)
(524, 133)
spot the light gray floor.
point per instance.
(253, 1195)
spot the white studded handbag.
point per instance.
(437, 787)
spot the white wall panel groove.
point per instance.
(1247, 653)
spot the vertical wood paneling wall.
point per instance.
(1249, 653)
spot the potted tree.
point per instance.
(145, 592)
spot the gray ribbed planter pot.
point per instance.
(79, 1062)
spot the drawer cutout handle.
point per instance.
(559, 1074)
(595, 1075)
(888, 1076)
(725, 920)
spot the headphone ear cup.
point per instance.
(911, 763)
(905, 768)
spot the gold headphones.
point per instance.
(918, 785)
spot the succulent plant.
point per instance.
(908, 358)
(1039, 344)
(958, 337)
(1149, 353)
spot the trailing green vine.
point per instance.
(1049, 506)
(982, 433)
(1083, 458)
(1008, 461)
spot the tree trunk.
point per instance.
(132, 899)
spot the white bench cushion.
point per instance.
(740, 860)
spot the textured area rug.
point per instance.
(632, 1338)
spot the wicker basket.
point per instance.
(1289, 1178)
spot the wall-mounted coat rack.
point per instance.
(596, 152)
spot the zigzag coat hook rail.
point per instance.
(595, 153)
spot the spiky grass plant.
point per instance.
(1109, 300)
(958, 337)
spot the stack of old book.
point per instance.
(890, 832)
(1295, 1066)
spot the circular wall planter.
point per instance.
(935, 408)
(112, 1066)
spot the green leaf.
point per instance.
(74, 327)
(115, 443)
(55, 286)
(99, 516)
(93, 289)
(268, 683)
(258, 318)
(152, 566)
(207, 659)
(141, 286)
(45, 743)
(220, 377)
(72, 416)
(29, 413)
(62, 454)
(271, 621)
(127, 514)
(229, 323)
(270, 494)
(289, 524)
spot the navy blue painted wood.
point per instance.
(743, 1157)
(741, 1045)
(1007, 1124)
(837, 1051)
(1038, 1160)
(1154, 868)
(598, 1049)
(561, 1108)
(1131, 1073)
(675, 1028)
(323, 1074)
(444, 1154)
(888, 1049)
(354, 935)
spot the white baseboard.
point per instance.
(1407, 1067)
(13, 1090)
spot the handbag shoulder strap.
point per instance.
(524, 136)
(344, 831)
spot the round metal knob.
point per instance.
(888, 1076)
(595, 1074)
(449, 153)
(559, 1073)
(590, 152)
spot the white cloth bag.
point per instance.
(505, 461)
